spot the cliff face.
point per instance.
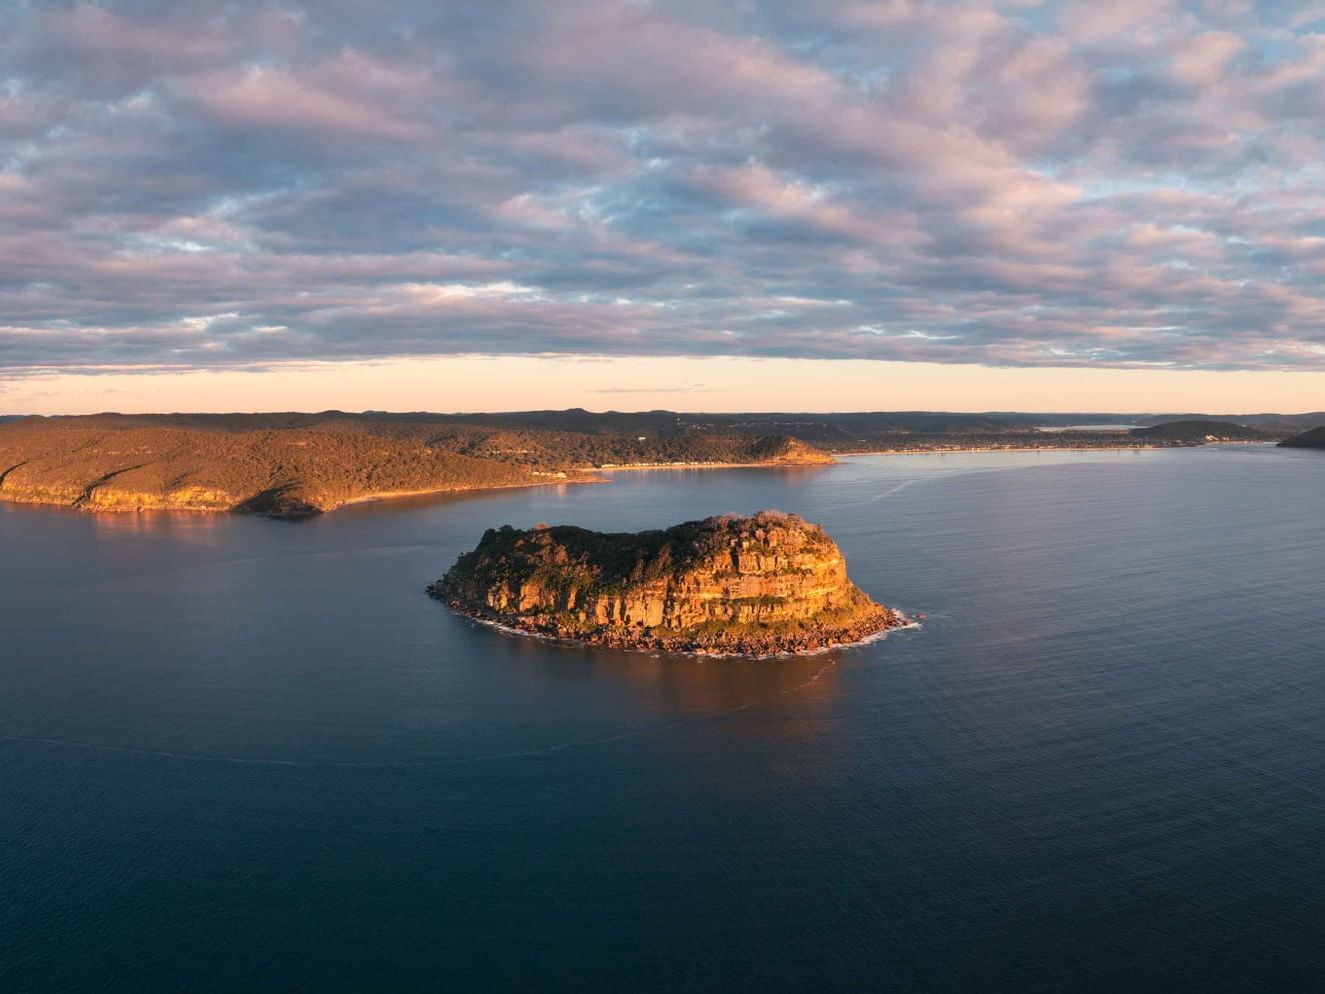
(287, 472)
(785, 450)
(298, 465)
(759, 585)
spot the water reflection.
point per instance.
(441, 499)
(655, 694)
(184, 526)
(177, 526)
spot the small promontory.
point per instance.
(762, 585)
(1199, 432)
(1313, 439)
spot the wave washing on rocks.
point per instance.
(764, 585)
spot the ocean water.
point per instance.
(246, 755)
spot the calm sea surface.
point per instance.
(246, 755)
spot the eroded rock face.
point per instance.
(765, 584)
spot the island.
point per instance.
(764, 585)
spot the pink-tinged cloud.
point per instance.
(1071, 183)
(339, 103)
(97, 32)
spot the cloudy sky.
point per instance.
(251, 193)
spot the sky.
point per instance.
(849, 204)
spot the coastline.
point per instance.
(637, 467)
(387, 495)
(1149, 446)
(1010, 448)
(932, 451)
(155, 505)
(641, 467)
(674, 646)
(578, 475)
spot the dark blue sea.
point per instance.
(244, 755)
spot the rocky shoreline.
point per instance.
(814, 639)
(766, 585)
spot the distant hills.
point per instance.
(293, 464)
(845, 429)
(1277, 425)
(1202, 431)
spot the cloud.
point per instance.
(192, 185)
(336, 100)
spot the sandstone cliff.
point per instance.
(299, 465)
(758, 585)
(288, 472)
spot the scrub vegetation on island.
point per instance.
(761, 585)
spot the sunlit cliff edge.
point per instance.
(298, 466)
(761, 585)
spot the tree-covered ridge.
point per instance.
(1312, 439)
(610, 560)
(1197, 431)
(295, 465)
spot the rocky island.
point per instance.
(768, 584)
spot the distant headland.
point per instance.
(1312, 439)
(762, 585)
